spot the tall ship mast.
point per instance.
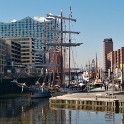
(61, 44)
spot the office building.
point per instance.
(107, 48)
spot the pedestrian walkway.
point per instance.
(100, 92)
(93, 93)
(95, 98)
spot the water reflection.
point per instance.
(12, 107)
(23, 110)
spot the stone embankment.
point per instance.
(97, 97)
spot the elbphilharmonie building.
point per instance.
(38, 28)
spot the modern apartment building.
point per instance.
(2, 55)
(20, 50)
(122, 57)
(122, 66)
(116, 60)
(110, 60)
(27, 51)
(107, 48)
(12, 52)
(37, 28)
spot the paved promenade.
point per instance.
(97, 92)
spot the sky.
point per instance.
(96, 20)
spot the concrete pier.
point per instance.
(85, 101)
(96, 99)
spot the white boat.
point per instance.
(85, 76)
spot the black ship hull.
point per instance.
(9, 87)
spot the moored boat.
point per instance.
(38, 91)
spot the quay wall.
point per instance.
(84, 101)
(91, 103)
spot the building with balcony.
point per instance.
(2, 55)
(20, 50)
(12, 52)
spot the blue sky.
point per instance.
(96, 20)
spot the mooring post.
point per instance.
(96, 97)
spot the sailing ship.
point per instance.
(63, 45)
(39, 90)
(36, 91)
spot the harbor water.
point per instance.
(20, 109)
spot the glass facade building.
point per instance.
(38, 28)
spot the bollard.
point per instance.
(96, 97)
